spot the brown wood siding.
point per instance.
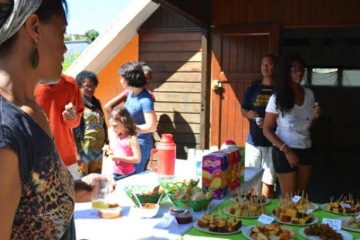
(164, 19)
(286, 12)
(176, 60)
(199, 10)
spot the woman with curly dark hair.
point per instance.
(291, 110)
(91, 135)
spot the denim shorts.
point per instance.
(281, 164)
(145, 149)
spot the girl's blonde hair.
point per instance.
(123, 116)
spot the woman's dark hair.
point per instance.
(123, 116)
(47, 9)
(146, 68)
(133, 74)
(83, 75)
(285, 99)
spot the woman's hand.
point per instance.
(317, 112)
(107, 150)
(260, 123)
(292, 158)
(86, 186)
(252, 114)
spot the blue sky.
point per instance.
(84, 15)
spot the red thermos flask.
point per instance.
(166, 154)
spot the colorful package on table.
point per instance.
(242, 161)
(215, 174)
(234, 167)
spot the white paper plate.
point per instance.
(347, 228)
(316, 206)
(307, 224)
(267, 201)
(323, 207)
(217, 233)
(246, 231)
(225, 211)
(345, 235)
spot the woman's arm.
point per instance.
(150, 123)
(250, 114)
(136, 157)
(269, 125)
(104, 126)
(10, 190)
(268, 129)
(109, 106)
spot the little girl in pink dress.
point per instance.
(124, 148)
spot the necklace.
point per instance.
(37, 108)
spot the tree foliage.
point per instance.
(69, 59)
(91, 35)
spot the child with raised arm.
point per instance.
(124, 148)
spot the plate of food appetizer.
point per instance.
(216, 224)
(275, 231)
(295, 213)
(324, 231)
(245, 210)
(247, 197)
(303, 221)
(303, 204)
(350, 223)
(343, 207)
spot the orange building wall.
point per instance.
(109, 80)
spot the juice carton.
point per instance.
(215, 174)
(234, 167)
(231, 167)
(242, 161)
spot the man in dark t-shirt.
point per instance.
(258, 150)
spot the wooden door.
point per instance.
(236, 60)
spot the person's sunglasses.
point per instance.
(295, 69)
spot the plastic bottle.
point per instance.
(198, 159)
(191, 161)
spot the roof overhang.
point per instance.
(108, 44)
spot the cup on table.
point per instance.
(100, 197)
(258, 120)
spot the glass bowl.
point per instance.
(174, 183)
(145, 194)
(196, 205)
